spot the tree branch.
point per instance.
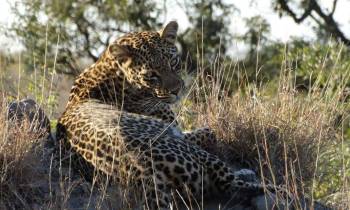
(84, 31)
(333, 8)
(66, 57)
(316, 20)
(284, 5)
(329, 23)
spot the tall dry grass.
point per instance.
(289, 137)
(17, 163)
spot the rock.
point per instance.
(267, 202)
(28, 113)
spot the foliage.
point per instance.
(76, 32)
(75, 29)
(258, 30)
(16, 83)
(209, 26)
(326, 25)
(315, 64)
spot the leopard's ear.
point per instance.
(169, 32)
(119, 52)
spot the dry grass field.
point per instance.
(287, 136)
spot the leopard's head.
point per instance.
(151, 62)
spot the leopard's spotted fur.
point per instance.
(118, 118)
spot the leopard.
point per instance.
(119, 119)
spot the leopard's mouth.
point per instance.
(168, 98)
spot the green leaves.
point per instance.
(83, 28)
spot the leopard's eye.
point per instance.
(173, 50)
(152, 77)
(174, 62)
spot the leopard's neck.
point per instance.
(105, 81)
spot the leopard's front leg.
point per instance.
(202, 137)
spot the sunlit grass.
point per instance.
(289, 137)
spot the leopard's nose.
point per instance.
(176, 91)
(172, 83)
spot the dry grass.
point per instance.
(18, 162)
(288, 137)
(33, 174)
(284, 136)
